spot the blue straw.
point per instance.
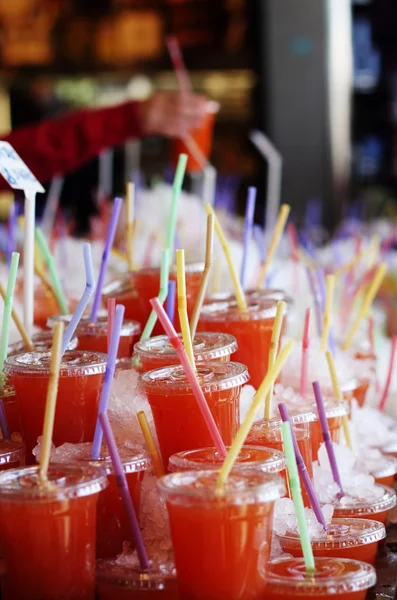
(109, 374)
(248, 225)
(170, 307)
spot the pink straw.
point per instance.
(305, 354)
(294, 245)
(389, 373)
(181, 72)
(111, 311)
(191, 376)
(371, 334)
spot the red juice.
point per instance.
(80, 384)
(94, 336)
(158, 351)
(119, 582)
(11, 406)
(345, 538)
(341, 578)
(254, 295)
(334, 412)
(47, 532)
(219, 539)
(352, 508)
(251, 328)
(124, 293)
(177, 417)
(11, 454)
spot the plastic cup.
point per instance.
(158, 351)
(345, 538)
(118, 582)
(11, 454)
(48, 532)
(352, 508)
(11, 405)
(80, 383)
(258, 458)
(334, 412)
(42, 342)
(124, 292)
(254, 295)
(342, 578)
(251, 328)
(220, 539)
(177, 418)
(112, 524)
(385, 472)
(201, 136)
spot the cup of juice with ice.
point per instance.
(124, 292)
(94, 336)
(42, 342)
(374, 507)
(221, 539)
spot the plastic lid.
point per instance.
(297, 418)
(206, 347)
(133, 460)
(63, 481)
(342, 533)
(42, 342)
(334, 409)
(100, 328)
(333, 576)
(67, 318)
(10, 452)
(257, 310)
(352, 506)
(110, 573)
(195, 267)
(74, 363)
(262, 459)
(242, 486)
(263, 294)
(126, 364)
(213, 377)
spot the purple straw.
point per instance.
(303, 470)
(170, 307)
(326, 434)
(105, 257)
(316, 298)
(124, 492)
(3, 422)
(109, 374)
(248, 225)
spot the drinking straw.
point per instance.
(238, 290)
(305, 355)
(329, 298)
(339, 397)
(258, 237)
(209, 185)
(162, 295)
(170, 308)
(386, 389)
(46, 283)
(182, 306)
(277, 233)
(366, 305)
(130, 210)
(181, 72)
(12, 226)
(111, 232)
(18, 323)
(8, 301)
(209, 246)
(371, 334)
(295, 486)
(274, 345)
(351, 264)
(326, 434)
(314, 503)
(294, 247)
(122, 484)
(28, 261)
(56, 282)
(147, 434)
(195, 151)
(85, 298)
(51, 207)
(176, 192)
(191, 376)
(248, 226)
(246, 425)
(52, 392)
(111, 313)
(108, 378)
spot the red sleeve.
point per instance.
(58, 146)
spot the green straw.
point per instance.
(295, 486)
(164, 275)
(44, 249)
(176, 192)
(8, 300)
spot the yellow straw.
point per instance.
(329, 299)
(373, 251)
(130, 223)
(51, 401)
(274, 344)
(147, 434)
(46, 282)
(18, 323)
(119, 254)
(245, 427)
(339, 397)
(209, 242)
(238, 290)
(366, 305)
(182, 305)
(277, 233)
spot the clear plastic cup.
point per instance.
(177, 417)
(334, 411)
(254, 295)
(47, 531)
(352, 508)
(158, 351)
(386, 470)
(342, 578)
(42, 342)
(80, 383)
(252, 329)
(259, 458)
(12, 454)
(124, 292)
(220, 538)
(118, 582)
(345, 538)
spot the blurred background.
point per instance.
(319, 77)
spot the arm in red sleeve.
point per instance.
(61, 145)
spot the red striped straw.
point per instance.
(181, 72)
(111, 312)
(385, 394)
(305, 354)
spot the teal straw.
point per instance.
(56, 282)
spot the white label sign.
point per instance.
(15, 172)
